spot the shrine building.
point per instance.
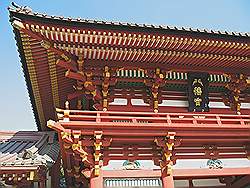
(110, 91)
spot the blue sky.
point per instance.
(15, 110)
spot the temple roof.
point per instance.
(28, 11)
(27, 150)
(116, 45)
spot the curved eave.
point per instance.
(27, 79)
(119, 26)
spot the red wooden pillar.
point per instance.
(96, 181)
(167, 181)
(55, 173)
(42, 184)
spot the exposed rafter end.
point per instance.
(18, 25)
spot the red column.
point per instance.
(42, 184)
(167, 181)
(55, 173)
(96, 181)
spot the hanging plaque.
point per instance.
(198, 92)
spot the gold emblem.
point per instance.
(197, 91)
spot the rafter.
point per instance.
(47, 44)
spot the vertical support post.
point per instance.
(34, 184)
(96, 181)
(55, 172)
(42, 184)
(166, 162)
(167, 180)
(190, 182)
(42, 176)
(48, 180)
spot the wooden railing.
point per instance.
(151, 118)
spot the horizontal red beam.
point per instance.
(179, 154)
(172, 109)
(162, 66)
(158, 129)
(182, 131)
(128, 113)
(178, 157)
(178, 173)
(144, 119)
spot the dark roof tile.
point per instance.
(23, 10)
(27, 148)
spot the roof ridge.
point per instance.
(28, 11)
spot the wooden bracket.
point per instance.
(236, 85)
(105, 87)
(97, 152)
(167, 145)
(157, 81)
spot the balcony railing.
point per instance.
(153, 118)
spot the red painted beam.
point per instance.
(156, 129)
(160, 131)
(147, 149)
(151, 114)
(178, 173)
(152, 124)
(162, 66)
(171, 109)
(152, 157)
